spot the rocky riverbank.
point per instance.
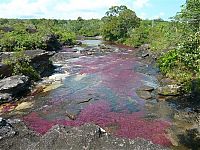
(12, 87)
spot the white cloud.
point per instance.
(63, 9)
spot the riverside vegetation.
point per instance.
(177, 42)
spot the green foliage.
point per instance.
(190, 14)
(119, 20)
(88, 28)
(20, 64)
(183, 63)
(160, 35)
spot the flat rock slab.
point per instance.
(86, 137)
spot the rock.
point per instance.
(51, 43)
(40, 61)
(7, 29)
(169, 90)
(192, 138)
(5, 97)
(145, 54)
(144, 94)
(146, 88)
(31, 29)
(71, 115)
(6, 129)
(14, 84)
(5, 70)
(79, 43)
(88, 136)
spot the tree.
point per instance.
(190, 14)
(117, 22)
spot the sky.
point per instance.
(87, 9)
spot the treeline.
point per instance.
(47, 34)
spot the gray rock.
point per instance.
(6, 129)
(169, 90)
(40, 61)
(88, 137)
(14, 84)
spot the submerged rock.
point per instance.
(144, 94)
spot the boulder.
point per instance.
(51, 43)
(40, 61)
(13, 86)
(169, 90)
(5, 70)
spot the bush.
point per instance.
(20, 65)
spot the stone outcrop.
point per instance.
(13, 86)
(86, 137)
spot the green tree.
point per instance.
(190, 14)
(119, 20)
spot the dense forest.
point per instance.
(177, 42)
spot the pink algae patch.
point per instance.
(129, 125)
(7, 107)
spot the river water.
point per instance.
(102, 90)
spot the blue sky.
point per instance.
(87, 9)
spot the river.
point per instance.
(101, 89)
